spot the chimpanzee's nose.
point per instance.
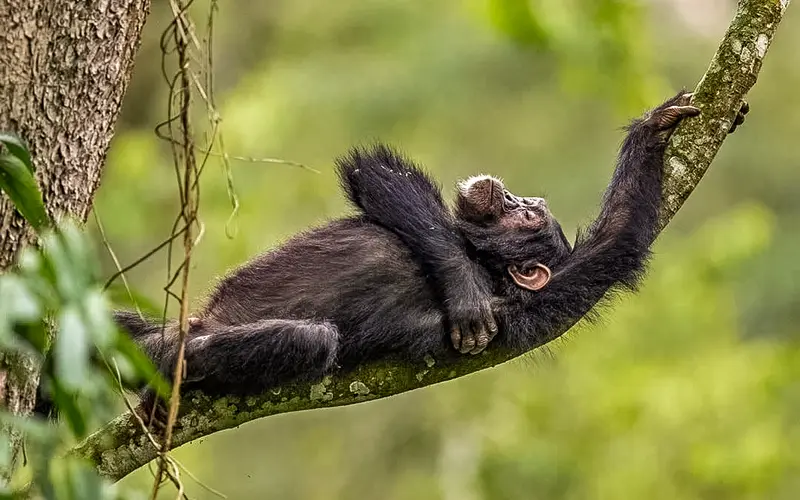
(511, 200)
(536, 202)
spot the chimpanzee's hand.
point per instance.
(472, 323)
(667, 116)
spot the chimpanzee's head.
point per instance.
(517, 234)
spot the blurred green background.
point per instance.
(689, 390)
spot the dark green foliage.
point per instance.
(55, 288)
(18, 182)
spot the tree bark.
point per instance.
(64, 69)
(120, 447)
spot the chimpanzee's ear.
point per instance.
(534, 278)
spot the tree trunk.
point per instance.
(64, 69)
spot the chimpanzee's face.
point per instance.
(527, 235)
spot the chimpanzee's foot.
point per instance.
(740, 116)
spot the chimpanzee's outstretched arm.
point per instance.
(613, 251)
(394, 193)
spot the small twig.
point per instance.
(196, 480)
(249, 159)
(113, 255)
(143, 258)
(278, 161)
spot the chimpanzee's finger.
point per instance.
(481, 338)
(745, 108)
(455, 337)
(479, 350)
(491, 326)
(668, 118)
(680, 111)
(467, 341)
(682, 98)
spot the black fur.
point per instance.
(393, 280)
(392, 192)
(351, 273)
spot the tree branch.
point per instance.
(120, 447)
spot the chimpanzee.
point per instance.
(407, 274)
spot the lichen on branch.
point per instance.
(120, 447)
(719, 95)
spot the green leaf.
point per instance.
(143, 365)
(67, 404)
(34, 429)
(78, 251)
(20, 185)
(98, 317)
(19, 337)
(30, 261)
(9, 341)
(18, 300)
(71, 351)
(37, 279)
(82, 481)
(35, 335)
(68, 280)
(17, 148)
